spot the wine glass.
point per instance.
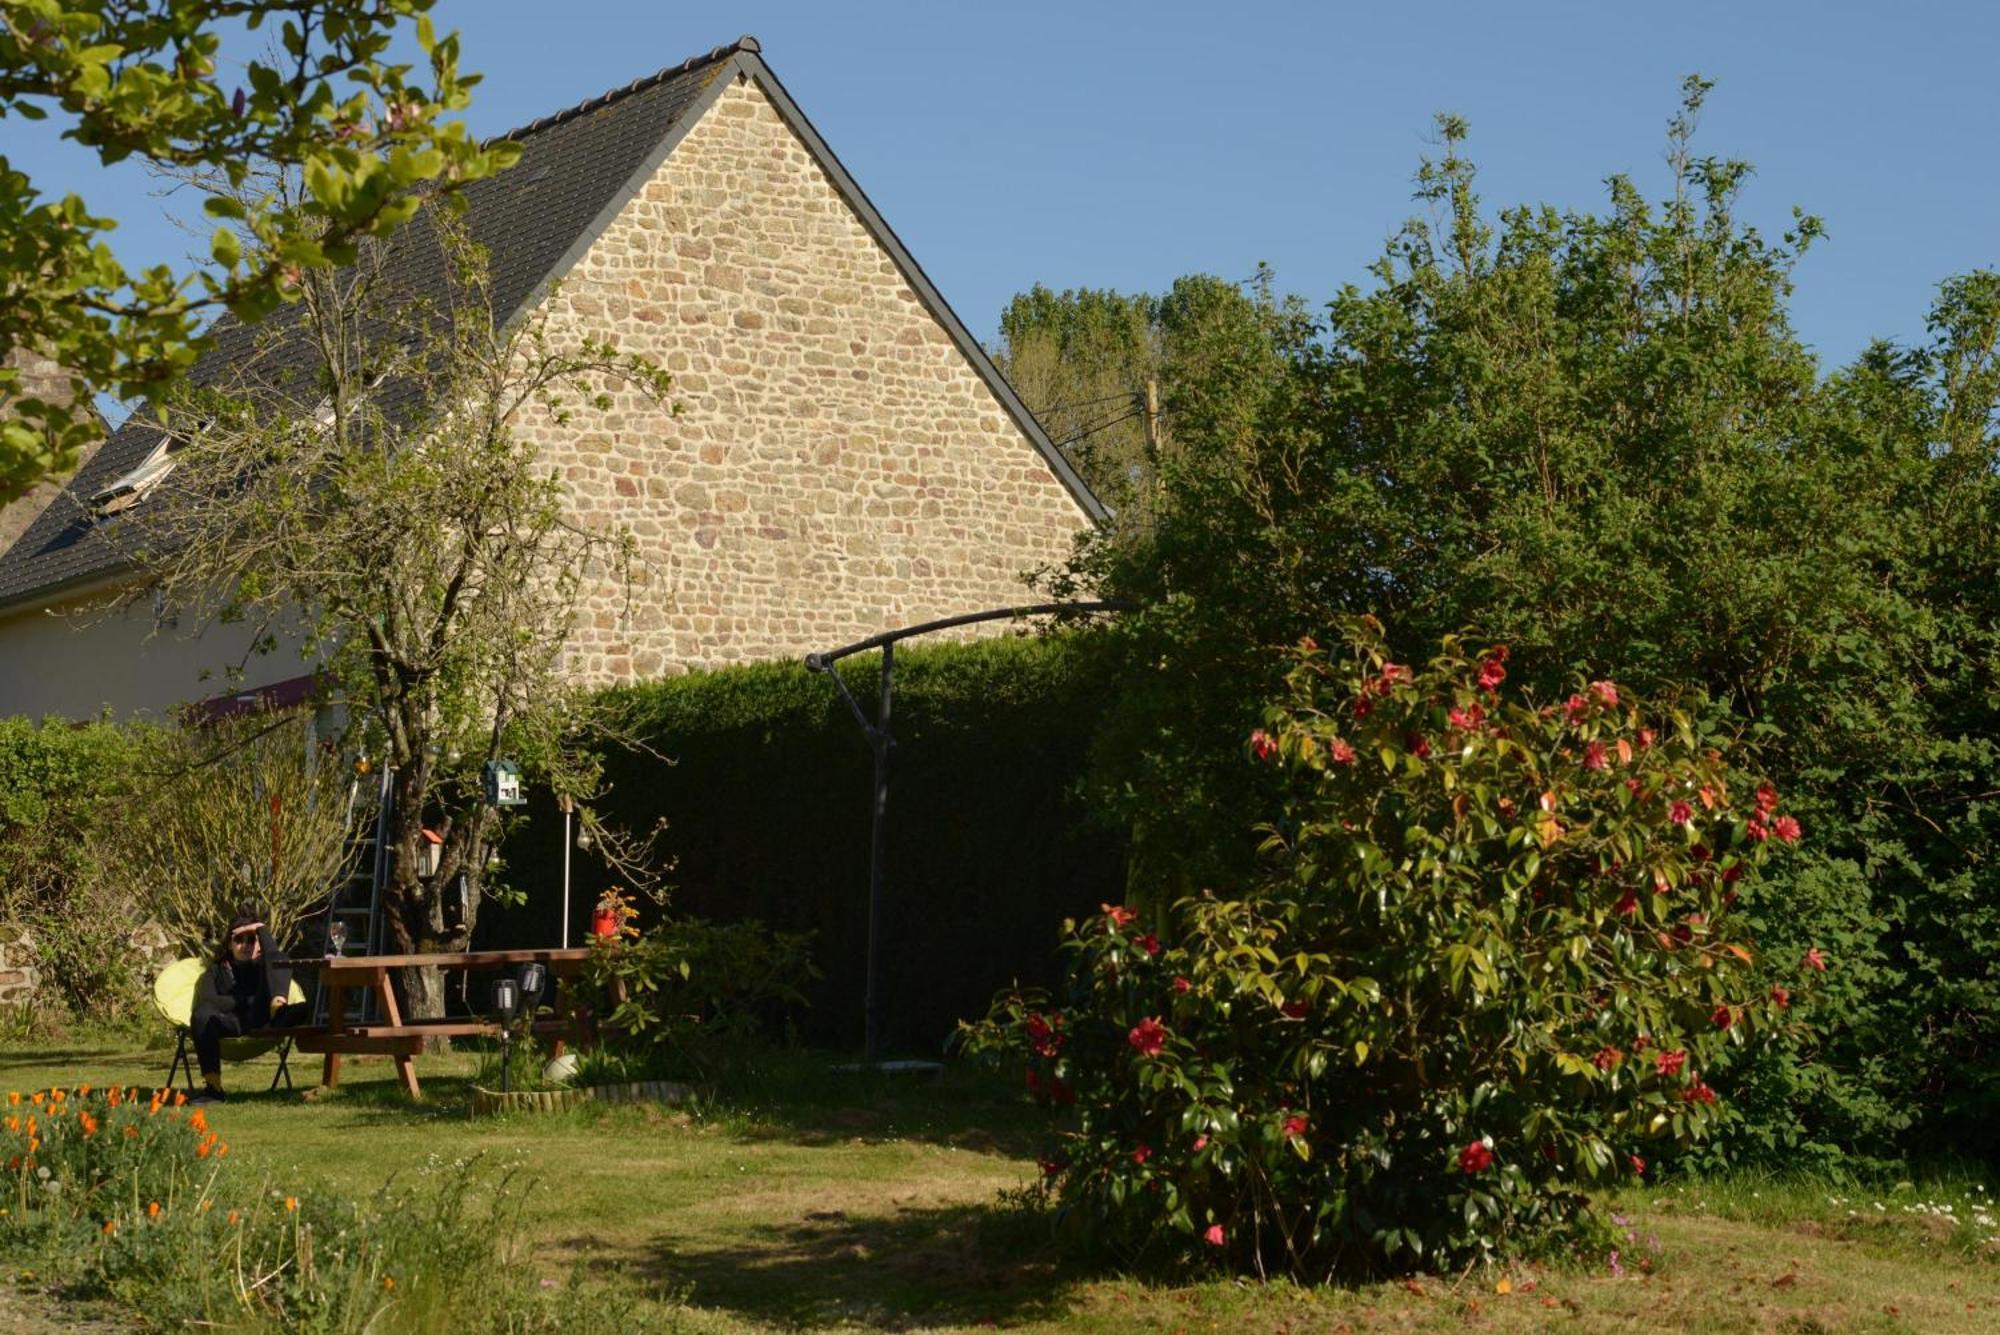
(336, 938)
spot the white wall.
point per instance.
(84, 657)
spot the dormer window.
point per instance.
(124, 492)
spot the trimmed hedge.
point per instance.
(990, 844)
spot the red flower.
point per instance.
(1781, 998)
(1050, 1167)
(1607, 1057)
(1295, 1125)
(1638, 1164)
(1150, 944)
(1756, 831)
(1646, 738)
(1182, 985)
(1767, 799)
(1475, 1158)
(1263, 745)
(1148, 1036)
(1732, 873)
(1043, 1036)
(1342, 753)
(1670, 1063)
(1466, 720)
(1698, 1092)
(1680, 813)
(1393, 674)
(1815, 961)
(1362, 704)
(1787, 829)
(1593, 756)
(1214, 1235)
(1419, 747)
(1633, 786)
(1143, 1153)
(1118, 913)
(1491, 673)
(1295, 1010)
(1629, 905)
(1575, 708)
(1606, 693)
(1723, 1017)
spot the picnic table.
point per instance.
(389, 1034)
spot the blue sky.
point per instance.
(1116, 144)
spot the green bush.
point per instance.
(695, 994)
(62, 786)
(766, 790)
(1496, 956)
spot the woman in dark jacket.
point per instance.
(245, 989)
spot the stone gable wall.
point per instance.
(837, 467)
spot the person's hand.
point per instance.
(277, 1004)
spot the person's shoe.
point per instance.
(209, 1094)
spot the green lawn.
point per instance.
(838, 1202)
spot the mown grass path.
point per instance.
(827, 1203)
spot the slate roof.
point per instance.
(577, 168)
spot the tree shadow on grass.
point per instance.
(918, 1267)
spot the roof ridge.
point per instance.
(744, 43)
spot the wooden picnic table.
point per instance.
(391, 1035)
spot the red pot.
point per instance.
(604, 922)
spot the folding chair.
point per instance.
(173, 997)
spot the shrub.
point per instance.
(694, 994)
(1496, 956)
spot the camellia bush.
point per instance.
(1494, 960)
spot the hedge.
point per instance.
(767, 798)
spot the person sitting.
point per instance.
(244, 990)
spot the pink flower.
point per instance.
(1148, 1036)
(1815, 961)
(1670, 1063)
(1182, 985)
(1342, 753)
(1575, 708)
(1593, 756)
(1263, 745)
(1606, 693)
(1767, 799)
(1467, 719)
(1393, 675)
(1756, 831)
(1118, 913)
(1200, 1144)
(1646, 738)
(1295, 1125)
(1607, 1057)
(1638, 1164)
(1680, 813)
(1781, 998)
(1787, 829)
(1491, 671)
(1214, 1235)
(1475, 1158)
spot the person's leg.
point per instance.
(208, 1036)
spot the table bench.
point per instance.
(393, 1036)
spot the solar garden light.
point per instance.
(506, 1003)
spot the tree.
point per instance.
(1595, 435)
(238, 811)
(139, 79)
(383, 512)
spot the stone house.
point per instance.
(846, 457)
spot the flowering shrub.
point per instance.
(86, 1154)
(1493, 960)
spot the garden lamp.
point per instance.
(534, 980)
(506, 1002)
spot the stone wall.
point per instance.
(20, 973)
(40, 378)
(837, 468)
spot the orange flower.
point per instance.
(83, 1091)
(206, 1206)
(131, 1133)
(153, 1108)
(14, 1163)
(291, 1204)
(388, 1282)
(33, 1144)
(14, 1124)
(234, 1216)
(199, 1120)
(89, 1125)
(36, 1098)
(153, 1210)
(57, 1096)
(13, 1097)
(201, 1150)
(222, 1149)
(180, 1098)
(110, 1226)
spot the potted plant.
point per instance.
(613, 916)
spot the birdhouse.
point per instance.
(430, 850)
(503, 784)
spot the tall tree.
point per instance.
(1596, 437)
(140, 79)
(385, 512)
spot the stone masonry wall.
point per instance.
(838, 468)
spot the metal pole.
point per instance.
(568, 810)
(882, 743)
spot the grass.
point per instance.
(829, 1201)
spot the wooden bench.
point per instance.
(392, 1036)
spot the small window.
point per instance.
(124, 492)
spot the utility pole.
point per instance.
(1152, 412)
